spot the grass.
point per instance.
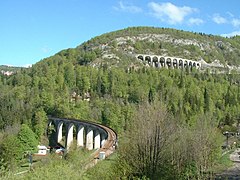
(53, 167)
(102, 170)
(224, 162)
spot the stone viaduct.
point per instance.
(168, 62)
(89, 135)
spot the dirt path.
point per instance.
(234, 171)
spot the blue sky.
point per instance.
(31, 30)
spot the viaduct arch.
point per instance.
(89, 135)
(168, 62)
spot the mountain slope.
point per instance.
(118, 48)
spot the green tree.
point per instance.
(151, 95)
(11, 151)
(40, 122)
(27, 139)
(150, 137)
(69, 75)
(206, 100)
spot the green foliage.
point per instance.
(15, 145)
(224, 162)
(40, 121)
(11, 151)
(27, 139)
(147, 152)
(101, 168)
(116, 87)
(53, 167)
(203, 46)
(158, 146)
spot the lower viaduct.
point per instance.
(168, 62)
(87, 134)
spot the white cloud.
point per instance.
(168, 12)
(195, 21)
(46, 49)
(127, 8)
(219, 19)
(231, 20)
(231, 34)
(235, 22)
(230, 14)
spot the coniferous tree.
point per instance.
(206, 100)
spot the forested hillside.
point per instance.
(187, 111)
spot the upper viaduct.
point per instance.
(168, 62)
(87, 134)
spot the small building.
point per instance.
(42, 150)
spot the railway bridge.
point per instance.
(87, 134)
(168, 62)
